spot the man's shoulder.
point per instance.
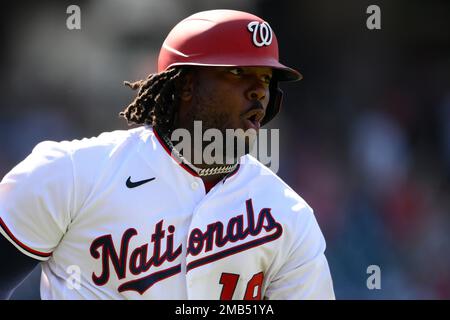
(107, 140)
(103, 144)
(268, 191)
(267, 185)
(84, 156)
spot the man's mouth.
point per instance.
(253, 118)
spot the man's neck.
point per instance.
(207, 172)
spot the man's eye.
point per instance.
(236, 71)
(267, 79)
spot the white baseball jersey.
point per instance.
(116, 217)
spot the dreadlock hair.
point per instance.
(157, 100)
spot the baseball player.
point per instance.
(126, 215)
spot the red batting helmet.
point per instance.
(227, 38)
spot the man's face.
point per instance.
(231, 97)
(226, 98)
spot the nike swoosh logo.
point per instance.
(130, 184)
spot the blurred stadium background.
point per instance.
(365, 137)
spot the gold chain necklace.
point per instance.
(201, 172)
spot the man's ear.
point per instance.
(187, 90)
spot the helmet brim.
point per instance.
(280, 71)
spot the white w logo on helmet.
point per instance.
(263, 30)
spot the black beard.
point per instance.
(213, 120)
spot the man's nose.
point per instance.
(258, 91)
